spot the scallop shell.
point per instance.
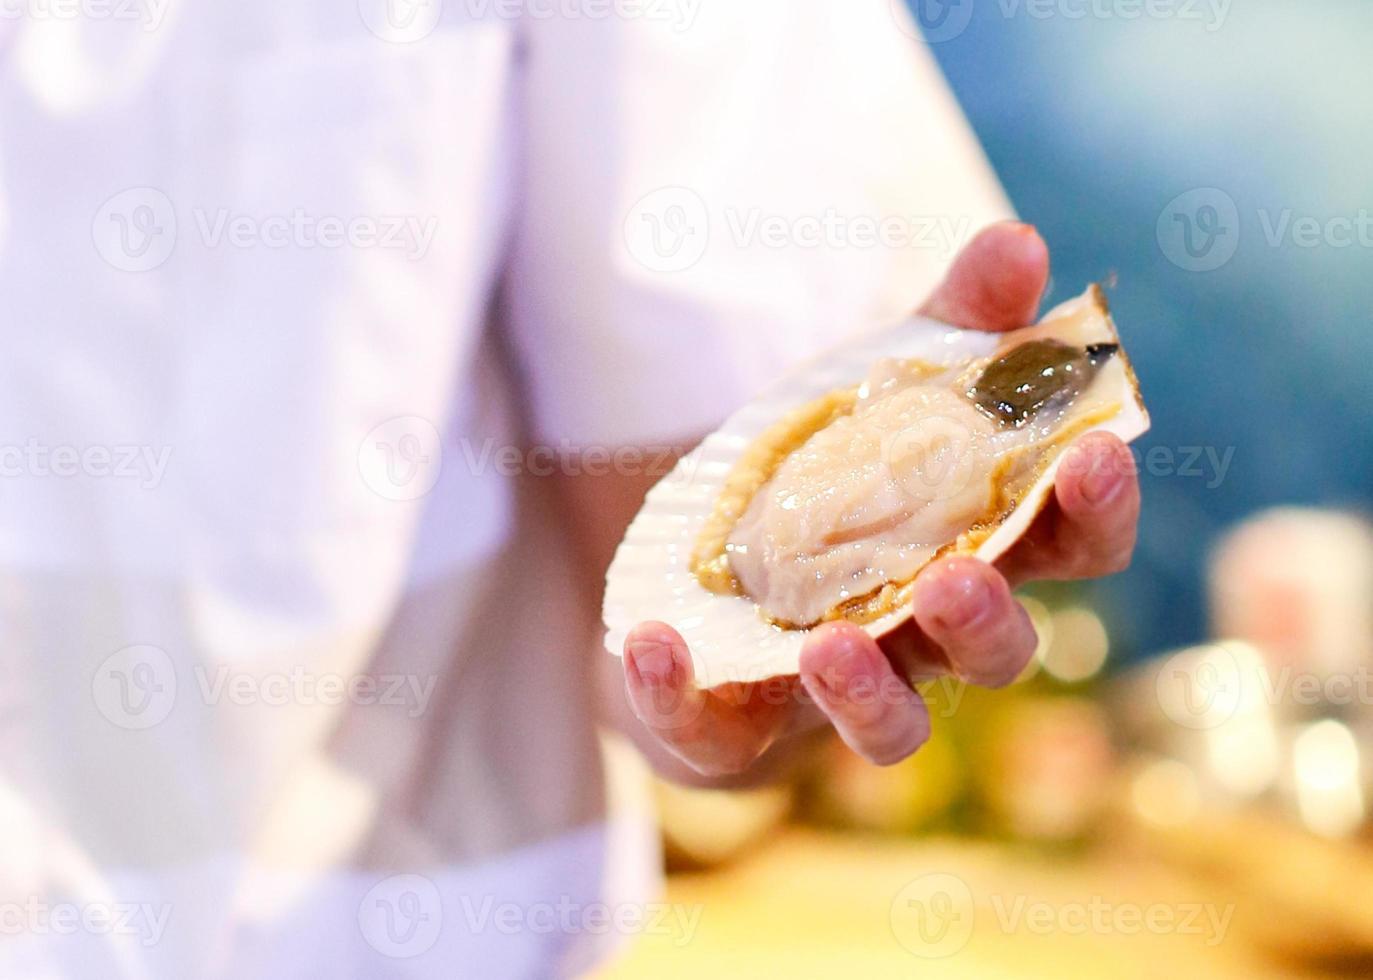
(651, 578)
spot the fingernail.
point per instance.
(651, 662)
(966, 599)
(1101, 482)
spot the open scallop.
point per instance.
(823, 498)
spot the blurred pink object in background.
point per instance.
(1298, 584)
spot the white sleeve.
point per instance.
(710, 198)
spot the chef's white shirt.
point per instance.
(291, 669)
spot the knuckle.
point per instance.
(1113, 561)
(886, 758)
(724, 761)
(681, 723)
(992, 679)
(892, 748)
(1117, 563)
(1005, 659)
(669, 705)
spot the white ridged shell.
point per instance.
(650, 577)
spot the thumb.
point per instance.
(996, 282)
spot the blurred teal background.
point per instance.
(1215, 157)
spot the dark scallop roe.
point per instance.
(1016, 386)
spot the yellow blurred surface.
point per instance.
(822, 905)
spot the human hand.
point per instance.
(965, 620)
